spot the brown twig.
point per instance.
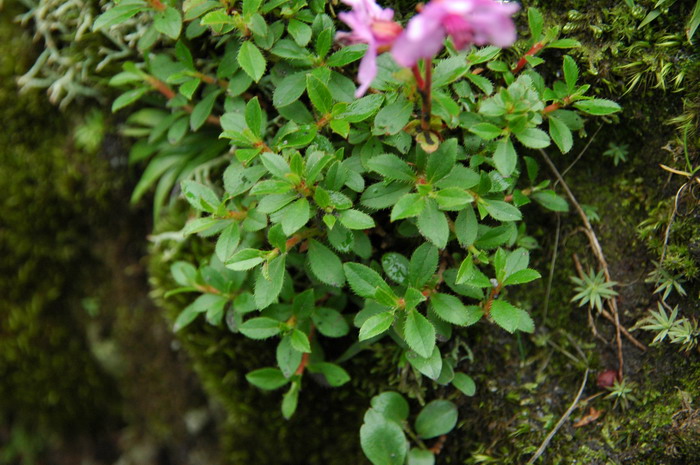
(597, 251)
(170, 94)
(561, 421)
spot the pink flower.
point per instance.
(371, 25)
(466, 21)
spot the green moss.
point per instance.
(51, 194)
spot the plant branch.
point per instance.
(561, 421)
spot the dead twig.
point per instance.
(561, 421)
(597, 251)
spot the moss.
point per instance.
(50, 381)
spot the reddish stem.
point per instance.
(419, 79)
(523, 61)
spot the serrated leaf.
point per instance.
(245, 259)
(550, 200)
(347, 55)
(419, 333)
(294, 216)
(502, 211)
(127, 98)
(432, 224)
(251, 60)
(391, 167)
(117, 15)
(355, 220)
(570, 74)
(376, 325)
(598, 107)
(267, 378)
(260, 328)
(505, 157)
(428, 366)
(522, 277)
(364, 281)
(334, 374)
(268, 288)
(228, 242)
(330, 322)
(561, 134)
(289, 90)
(451, 309)
(486, 131)
(319, 94)
(288, 358)
(423, 265)
(325, 264)
(533, 138)
(511, 318)
(300, 341)
(395, 266)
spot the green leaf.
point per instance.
(127, 98)
(466, 227)
(330, 322)
(441, 162)
(522, 277)
(290, 401)
(392, 118)
(391, 167)
(228, 242)
(421, 457)
(300, 32)
(453, 198)
(511, 318)
(288, 358)
(251, 6)
(355, 219)
(325, 264)
(464, 383)
(202, 110)
(536, 22)
(267, 378)
(550, 200)
(251, 60)
(481, 82)
(452, 310)
(561, 134)
(300, 341)
(268, 288)
(428, 366)
(361, 109)
(347, 55)
(533, 138)
(383, 441)
(117, 15)
(486, 131)
(364, 281)
(216, 18)
(260, 328)
(505, 157)
(245, 259)
(395, 266)
(294, 216)
(437, 418)
(319, 94)
(502, 211)
(469, 274)
(598, 106)
(200, 196)
(408, 206)
(391, 405)
(570, 74)
(334, 374)
(254, 118)
(376, 325)
(432, 224)
(564, 43)
(289, 90)
(168, 22)
(423, 264)
(693, 22)
(419, 333)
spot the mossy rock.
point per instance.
(51, 194)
